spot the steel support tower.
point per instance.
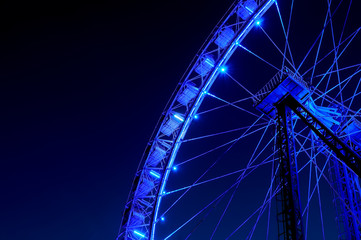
(285, 98)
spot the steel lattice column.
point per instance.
(347, 200)
(289, 215)
(344, 153)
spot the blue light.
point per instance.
(139, 234)
(258, 22)
(195, 116)
(223, 69)
(154, 174)
(175, 168)
(209, 61)
(249, 9)
(162, 218)
(178, 117)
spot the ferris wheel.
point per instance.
(262, 137)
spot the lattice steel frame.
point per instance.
(289, 215)
(291, 227)
(148, 206)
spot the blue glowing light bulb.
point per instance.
(195, 116)
(142, 235)
(175, 168)
(258, 22)
(162, 218)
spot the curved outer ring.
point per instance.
(200, 98)
(264, 6)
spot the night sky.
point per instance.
(82, 86)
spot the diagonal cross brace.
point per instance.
(343, 152)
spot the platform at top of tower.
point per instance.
(283, 83)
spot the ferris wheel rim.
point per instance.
(188, 118)
(264, 5)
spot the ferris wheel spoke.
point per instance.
(330, 100)
(319, 36)
(259, 143)
(334, 87)
(287, 44)
(239, 84)
(336, 49)
(252, 53)
(224, 212)
(265, 204)
(231, 198)
(322, 174)
(353, 96)
(219, 197)
(345, 21)
(346, 40)
(349, 134)
(203, 149)
(271, 187)
(317, 182)
(339, 70)
(225, 105)
(233, 105)
(242, 177)
(215, 200)
(245, 134)
(320, 206)
(319, 45)
(308, 190)
(232, 143)
(331, 67)
(348, 81)
(278, 189)
(263, 125)
(244, 173)
(253, 167)
(304, 150)
(335, 53)
(275, 45)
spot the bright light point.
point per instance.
(154, 174)
(139, 234)
(175, 168)
(162, 218)
(195, 116)
(258, 22)
(178, 117)
(249, 9)
(223, 69)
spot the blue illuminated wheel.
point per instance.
(261, 139)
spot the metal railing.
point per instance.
(275, 81)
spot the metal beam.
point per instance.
(342, 151)
(289, 217)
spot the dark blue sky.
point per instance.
(82, 86)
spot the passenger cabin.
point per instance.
(246, 9)
(225, 37)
